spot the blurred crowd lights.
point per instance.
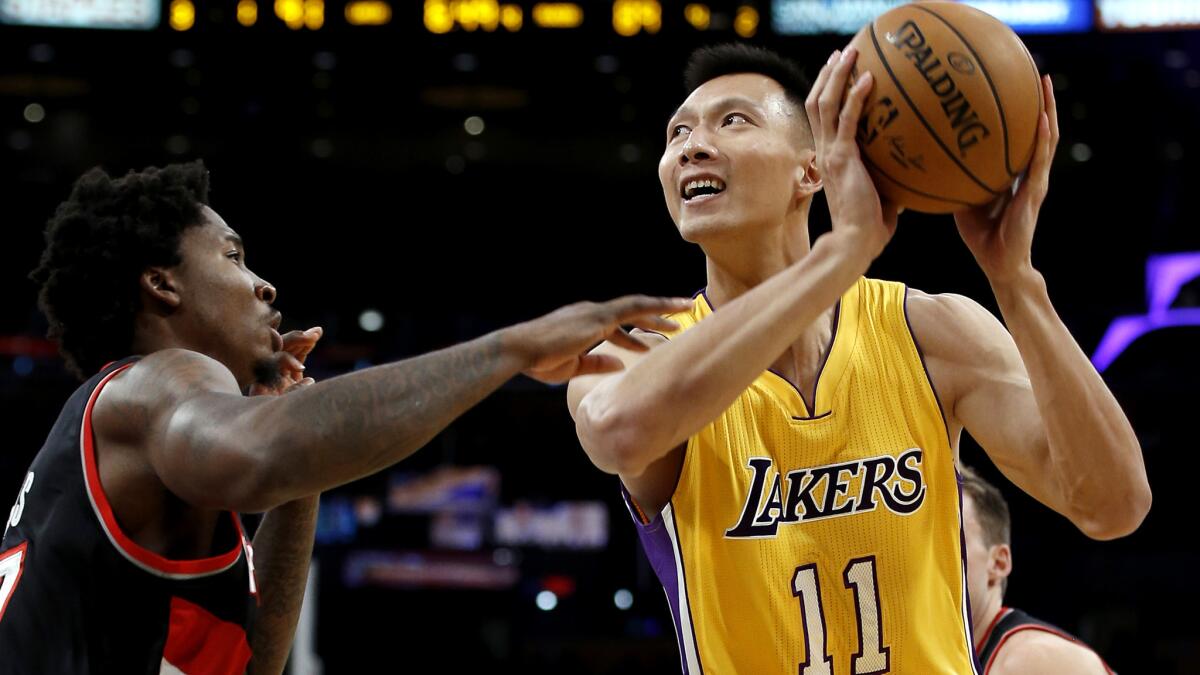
(631, 17)
(443, 16)
(698, 15)
(745, 22)
(368, 13)
(182, 14)
(298, 14)
(557, 15)
(247, 12)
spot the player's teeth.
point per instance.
(716, 184)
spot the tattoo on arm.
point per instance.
(359, 423)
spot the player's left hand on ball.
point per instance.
(1000, 234)
(297, 345)
(834, 107)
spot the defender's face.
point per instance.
(978, 554)
(226, 305)
(732, 160)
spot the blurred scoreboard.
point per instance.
(808, 17)
(126, 14)
(1118, 15)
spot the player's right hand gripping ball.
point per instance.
(953, 115)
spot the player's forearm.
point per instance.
(282, 553)
(628, 422)
(1094, 454)
(353, 425)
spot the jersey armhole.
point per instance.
(651, 521)
(912, 335)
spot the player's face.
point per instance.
(977, 554)
(732, 159)
(225, 306)
(987, 565)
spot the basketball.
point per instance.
(953, 115)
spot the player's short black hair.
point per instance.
(99, 242)
(990, 505)
(709, 63)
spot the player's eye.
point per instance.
(679, 129)
(735, 118)
(235, 256)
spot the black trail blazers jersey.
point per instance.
(79, 596)
(1011, 621)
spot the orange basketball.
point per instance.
(953, 115)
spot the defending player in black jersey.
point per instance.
(123, 552)
(1009, 641)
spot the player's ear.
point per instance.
(808, 177)
(999, 562)
(160, 286)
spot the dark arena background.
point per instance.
(412, 174)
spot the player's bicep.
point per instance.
(988, 387)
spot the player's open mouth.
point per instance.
(701, 188)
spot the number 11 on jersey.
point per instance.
(872, 657)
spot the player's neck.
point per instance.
(152, 334)
(739, 264)
(982, 617)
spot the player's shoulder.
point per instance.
(174, 370)
(1036, 652)
(154, 383)
(952, 324)
(684, 319)
(942, 306)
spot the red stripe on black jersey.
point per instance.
(1011, 621)
(9, 578)
(199, 643)
(142, 557)
(90, 601)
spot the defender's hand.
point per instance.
(556, 344)
(290, 359)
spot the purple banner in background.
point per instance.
(1165, 276)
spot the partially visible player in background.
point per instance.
(1008, 641)
(124, 552)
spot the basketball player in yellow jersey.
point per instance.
(789, 454)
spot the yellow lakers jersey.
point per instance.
(821, 540)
